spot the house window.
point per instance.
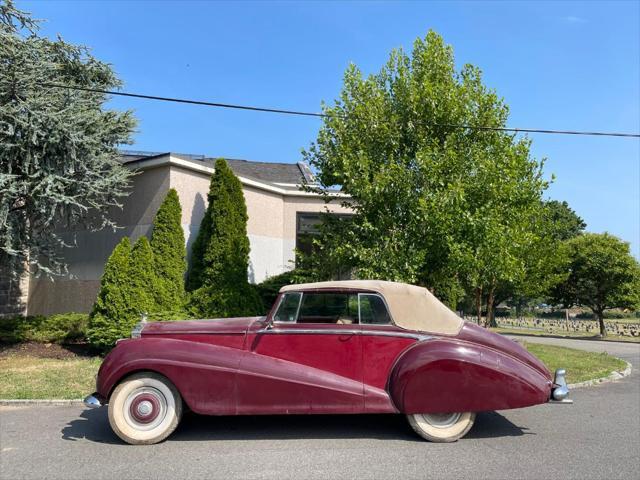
(308, 226)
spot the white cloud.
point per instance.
(574, 19)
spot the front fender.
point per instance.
(450, 375)
(204, 374)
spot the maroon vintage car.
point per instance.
(330, 347)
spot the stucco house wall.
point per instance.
(271, 228)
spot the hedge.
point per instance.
(60, 328)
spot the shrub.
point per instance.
(17, 329)
(60, 328)
(220, 257)
(167, 243)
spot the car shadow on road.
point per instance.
(93, 425)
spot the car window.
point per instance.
(288, 308)
(328, 307)
(373, 309)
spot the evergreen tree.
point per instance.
(111, 312)
(126, 290)
(220, 256)
(167, 243)
(59, 161)
(143, 282)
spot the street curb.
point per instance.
(45, 402)
(612, 377)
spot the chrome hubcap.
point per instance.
(144, 408)
(441, 420)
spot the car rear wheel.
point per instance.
(442, 427)
(145, 409)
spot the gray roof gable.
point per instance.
(284, 173)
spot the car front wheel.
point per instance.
(145, 409)
(442, 427)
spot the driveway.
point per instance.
(596, 437)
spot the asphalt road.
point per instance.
(596, 437)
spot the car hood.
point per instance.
(476, 334)
(209, 326)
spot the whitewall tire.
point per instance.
(145, 409)
(442, 427)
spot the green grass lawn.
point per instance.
(28, 377)
(580, 365)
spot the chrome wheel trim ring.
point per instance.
(145, 408)
(441, 420)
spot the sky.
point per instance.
(558, 65)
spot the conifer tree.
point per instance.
(167, 243)
(220, 256)
(111, 311)
(59, 161)
(126, 291)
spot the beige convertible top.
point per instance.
(411, 307)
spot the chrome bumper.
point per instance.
(92, 401)
(560, 390)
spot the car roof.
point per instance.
(412, 307)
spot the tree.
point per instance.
(59, 161)
(169, 253)
(112, 306)
(602, 275)
(566, 222)
(220, 256)
(126, 291)
(435, 204)
(543, 259)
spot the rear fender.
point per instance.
(449, 375)
(204, 374)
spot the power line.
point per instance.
(323, 115)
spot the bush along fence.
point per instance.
(551, 325)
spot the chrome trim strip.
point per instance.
(418, 336)
(336, 331)
(195, 332)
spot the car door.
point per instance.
(382, 344)
(309, 361)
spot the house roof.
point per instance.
(282, 178)
(283, 174)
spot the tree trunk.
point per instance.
(600, 316)
(491, 317)
(479, 304)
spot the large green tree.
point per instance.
(602, 275)
(435, 203)
(169, 253)
(58, 147)
(220, 256)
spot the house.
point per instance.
(281, 217)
